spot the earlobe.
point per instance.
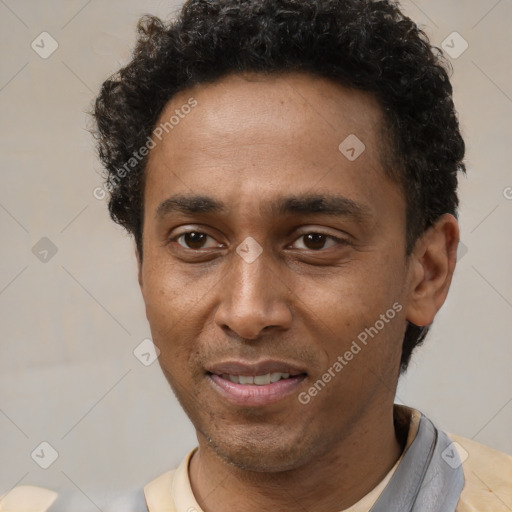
(431, 269)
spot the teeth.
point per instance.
(258, 380)
(262, 379)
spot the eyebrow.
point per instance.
(306, 204)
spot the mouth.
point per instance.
(258, 384)
(257, 380)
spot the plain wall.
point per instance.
(68, 375)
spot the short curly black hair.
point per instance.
(368, 45)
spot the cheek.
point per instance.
(168, 292)
(348, 305)
(357, 291)
(176, 301)
(167, 305)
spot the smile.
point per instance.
(255, 391)
(257, 380)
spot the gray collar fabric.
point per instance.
(428, 479)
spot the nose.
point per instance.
(254, 297)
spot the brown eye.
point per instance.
(317, 241)
(314, 241)
(192, 240)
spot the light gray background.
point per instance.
(69, 326)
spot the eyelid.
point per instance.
(337, 239)
(322, 230)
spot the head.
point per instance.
(320, 138)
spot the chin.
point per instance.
(259, 450)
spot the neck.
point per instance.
(334, 480)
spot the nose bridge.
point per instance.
(250, 278)
(254, 297)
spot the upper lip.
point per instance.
(253, 369)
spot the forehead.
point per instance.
(251, 135)
(298, 104)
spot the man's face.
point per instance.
(320, 280)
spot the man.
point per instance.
(291, 187)
(289, 171)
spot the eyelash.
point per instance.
(340, 241)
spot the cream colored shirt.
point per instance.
(27, 498)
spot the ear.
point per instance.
(431, 267)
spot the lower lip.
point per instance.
(254, 395)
